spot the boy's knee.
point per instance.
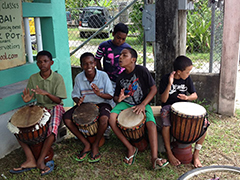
(103, 120)
(150, 124)
(67, 121)
(113, 118)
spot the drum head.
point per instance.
(129, 119)
(27, 116)
(85, 114)
(188, 108)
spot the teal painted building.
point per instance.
(54, 39)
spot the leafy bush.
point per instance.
(199, 28)
(136, 20)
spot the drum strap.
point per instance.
(198, 146)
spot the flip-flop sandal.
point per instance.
(49, 164)
(132, 156)
(94, 159)
(21, 170)
(156, 166)
(81, 155)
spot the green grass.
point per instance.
(221, 147)
(198, 57)
(73, 34)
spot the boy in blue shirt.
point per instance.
(91, 86)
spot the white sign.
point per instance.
(12, 49)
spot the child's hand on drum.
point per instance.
(39, 91)
(139, 109)
(80, 100)
(182, 96)
(122, 95)
(26, 95)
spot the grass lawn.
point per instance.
(221, 147)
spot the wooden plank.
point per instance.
(155, 109)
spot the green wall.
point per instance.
(55, 39)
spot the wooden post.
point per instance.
(182, 31)
(229, 63)
(167, 48)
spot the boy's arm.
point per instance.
(141, 107)
(121, 97)
(99, 66)
(78, 101)
(45, 93)
(165, 94)
(26, 95)
(98, 93)
(191, 97)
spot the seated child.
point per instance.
(173, 88)
(91, 86)
(48, 88)
(135, 88)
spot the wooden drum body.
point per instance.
(30, 125)
(187, 121)
(85, 117)
(132, 126)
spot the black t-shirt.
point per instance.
(179, 86)
(137, 84)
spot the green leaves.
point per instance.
(199, 28)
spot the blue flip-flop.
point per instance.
(21, 170)
(132, 157)
(49, 164)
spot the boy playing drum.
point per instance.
(48, 88)
(135, 88)
(91, 86)
(173, 88)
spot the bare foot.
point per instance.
(83, 153)
(196, 162)
(173, 160)
(95, 149)
(45, 170)
(131, 155)
(26, 165)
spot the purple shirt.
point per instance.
(110, 54)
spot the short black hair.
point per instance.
(120, 27)
(181, 63)
(132, 51)
(86, 54)
(44, 53)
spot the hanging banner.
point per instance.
(12, 49)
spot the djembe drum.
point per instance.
(85, 117)
(132, 126)
(187, 127)
(30, 124)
